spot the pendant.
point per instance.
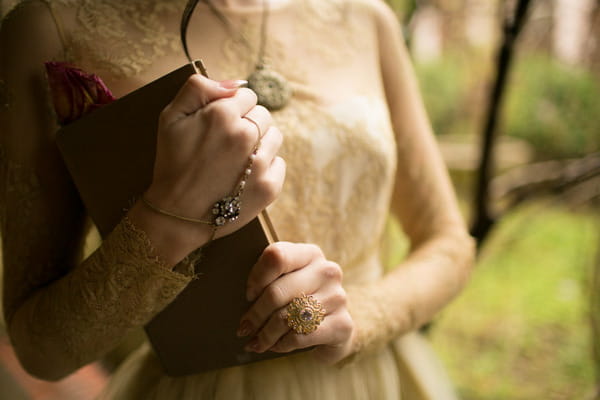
(271, 88)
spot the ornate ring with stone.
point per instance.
(304, 314)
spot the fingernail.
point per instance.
(252, 345)
(233, 84)
(245, 329)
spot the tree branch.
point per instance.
(578, 179)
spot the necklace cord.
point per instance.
(263, 35)
(272, 89)
(185, 21)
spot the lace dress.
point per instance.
(357, 145)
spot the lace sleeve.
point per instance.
(441, 250)
(60, 313)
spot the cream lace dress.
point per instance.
(357, 145)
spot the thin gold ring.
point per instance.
(256, 125)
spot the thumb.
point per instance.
(198, 91)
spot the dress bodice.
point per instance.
(338, 141)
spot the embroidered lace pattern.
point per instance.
(136, 287)
(22, 186)
(318, 193)
(122, 37)
(241, 50)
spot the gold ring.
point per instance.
(255, 124)
(304, 314)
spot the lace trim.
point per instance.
(375, 325)
(120, 287)
(184, 267)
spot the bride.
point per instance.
(357, 146)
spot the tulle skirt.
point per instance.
(406, 369)
(296, 377)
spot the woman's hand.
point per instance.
(203, 148)
(286, 271)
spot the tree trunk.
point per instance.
(482, 216)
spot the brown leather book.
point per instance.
(110, 155)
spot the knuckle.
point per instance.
(260, 163)
(247, 135)
(217, 113)
(315, 250)
(275, 255)
(249, 92)
(275, 295)
(164, 118)
(339, 297)
(268, 188)
(344, 326)
(331, 271)
(195, 81)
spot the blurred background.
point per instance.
(512, 88)
(517, 84)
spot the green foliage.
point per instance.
(401, 6)
(448, 90)
(520, 329)
(553, 107)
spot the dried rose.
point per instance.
(74, 92)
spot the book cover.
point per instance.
(110, 156)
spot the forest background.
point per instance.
(527, 325)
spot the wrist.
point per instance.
(173, 239)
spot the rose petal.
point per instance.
(74, 92)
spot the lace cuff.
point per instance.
(140, 243)
(376, 325)
(123, 285)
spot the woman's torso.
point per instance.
(338, 144)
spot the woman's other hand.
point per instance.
(203, 148)
(286, 271)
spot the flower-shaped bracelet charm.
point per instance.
(227, 210)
